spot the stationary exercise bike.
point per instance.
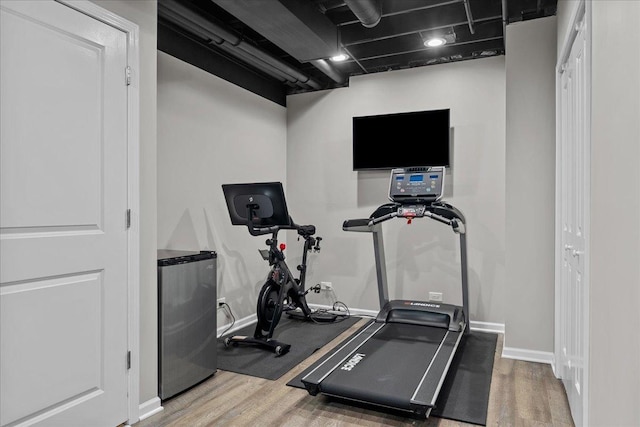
(262, 209)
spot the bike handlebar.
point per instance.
(304, 230)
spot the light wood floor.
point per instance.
(522, 394)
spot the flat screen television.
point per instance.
(419, 138)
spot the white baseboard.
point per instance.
(528, 355)
(251, 319)
(352, 311)
(150, 407)
(496, 328)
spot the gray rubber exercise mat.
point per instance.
(465, 393)
(305, 338)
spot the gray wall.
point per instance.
(210, 133)
(144, 13)
(614, 397)
(530, 184)
(424, 256)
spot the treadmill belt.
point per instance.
(380, 374)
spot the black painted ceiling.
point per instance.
(280, 47)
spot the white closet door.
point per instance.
(63, 200)
(574, 166)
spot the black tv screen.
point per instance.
(419, 138)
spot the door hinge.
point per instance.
(128, 359)
(127, 73)
(128, 218)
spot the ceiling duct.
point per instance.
(324, 66)
(295, 26)
(223, 38)
(368, 12)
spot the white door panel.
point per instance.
(574, 177)
(67, 366)
(63, 199)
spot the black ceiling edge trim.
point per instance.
(180, 46)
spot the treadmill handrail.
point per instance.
(456, 222)
(438, 211)
(383, 218)
(457, 226)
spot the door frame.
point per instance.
(132, 32)
(581, 12)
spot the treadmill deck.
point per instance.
(395, 365)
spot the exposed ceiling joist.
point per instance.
(291, 41)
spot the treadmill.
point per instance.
(400, 360)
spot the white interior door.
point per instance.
(574, 205)
(63, 201)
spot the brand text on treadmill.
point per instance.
(422, 304)
(353, 362)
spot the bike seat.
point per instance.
(306, 230)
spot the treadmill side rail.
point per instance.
(429, 387)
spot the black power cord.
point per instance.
(338, 309)
(227, 308)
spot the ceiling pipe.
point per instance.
(233, 44)
(219, 43)
(186, 24)
(237, 47)
(505, 18)
(368, 12)
(280, 65)
(467, 9)
(259, 61)
(266, 68)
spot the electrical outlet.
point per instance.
(435, 296)
(221, 301)
(326, 286)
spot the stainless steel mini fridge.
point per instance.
(186, 319)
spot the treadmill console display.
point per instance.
(416, 184)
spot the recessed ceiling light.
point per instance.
(339, 58)
(435, 42)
